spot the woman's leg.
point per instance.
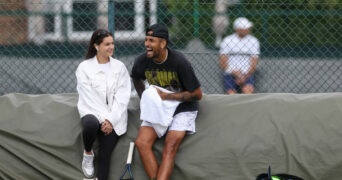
(106, 147)
(90, 129)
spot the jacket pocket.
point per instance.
(98, 85)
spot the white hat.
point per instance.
(242, 23)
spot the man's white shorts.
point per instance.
(184, 121)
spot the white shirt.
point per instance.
(239, 51)
(104, 95)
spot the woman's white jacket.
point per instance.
(104, 96)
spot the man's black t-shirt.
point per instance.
(175, 74)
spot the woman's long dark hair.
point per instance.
(96, 38)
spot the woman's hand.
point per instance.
(106, 127)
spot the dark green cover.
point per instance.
(238, 137)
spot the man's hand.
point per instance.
(241, 80)
(237, 74)
(239, 77)
(161, 93)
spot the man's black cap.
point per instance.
(158, 30)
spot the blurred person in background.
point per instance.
(104, 87)
(239, 54)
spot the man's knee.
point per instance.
(142, 144)
(146, 138)
(231, 91)
(248, 89)
(139, 143)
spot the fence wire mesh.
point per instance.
(42, 41)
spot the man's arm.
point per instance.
(242, 78)
(254, 63)
(139, 86)
(182, 96)
(223, 61)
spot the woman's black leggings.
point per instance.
(91, 131)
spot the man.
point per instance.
(239, 55)
(168, 69)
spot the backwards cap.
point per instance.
(158, 30)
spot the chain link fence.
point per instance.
(42, 41)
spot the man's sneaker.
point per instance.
(88, 165)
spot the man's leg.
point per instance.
(230, 91)
(229, 84)
(183, 123)
(248, 89)
(144, 142)
(172, 141)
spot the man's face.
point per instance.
(242, 32)
(154, 46)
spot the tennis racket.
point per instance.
(127, 173)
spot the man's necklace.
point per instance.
(162, 60)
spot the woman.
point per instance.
(103, 86)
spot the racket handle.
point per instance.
(130, 152)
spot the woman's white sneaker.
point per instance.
(88, 165)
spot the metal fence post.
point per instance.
(196, 19)
(111, 16)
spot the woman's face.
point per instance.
(106, 48)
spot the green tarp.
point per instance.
(238, 137)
